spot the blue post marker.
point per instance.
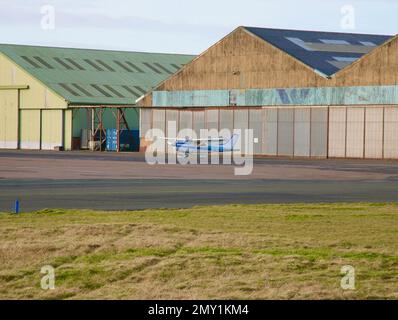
(16, 206)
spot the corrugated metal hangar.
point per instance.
(304, 93)
(58, 98)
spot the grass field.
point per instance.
(226, 252)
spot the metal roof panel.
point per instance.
(70, 68)
(316, 49)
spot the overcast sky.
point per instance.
(180, 26)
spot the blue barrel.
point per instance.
(129, 140)
(111, 139)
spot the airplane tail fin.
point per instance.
(231, 142)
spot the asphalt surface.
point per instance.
(343, 183)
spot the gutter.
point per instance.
(14, 87)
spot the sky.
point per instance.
(180, 26)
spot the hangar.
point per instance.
(304, 93)
(62, 98)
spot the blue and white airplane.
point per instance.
(187, 145)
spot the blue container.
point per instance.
(111, 139)
(129, 140)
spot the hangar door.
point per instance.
(30, 129)
(391, 133)
(368, 132)
(51, 129)
(295, 132)
(8, 119)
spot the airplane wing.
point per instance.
(220, 139)
(207, 140)
(173, 139)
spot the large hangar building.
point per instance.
(59, 98)
(304, 93)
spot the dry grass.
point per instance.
(227, 252)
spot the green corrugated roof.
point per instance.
(86, 76)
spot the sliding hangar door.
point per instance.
(277, 131)
(369, 132)
(336, 132)
(32, 129)
(40, 129)
(8, 119)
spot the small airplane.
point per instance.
(188, 145)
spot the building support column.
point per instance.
(97, 127)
